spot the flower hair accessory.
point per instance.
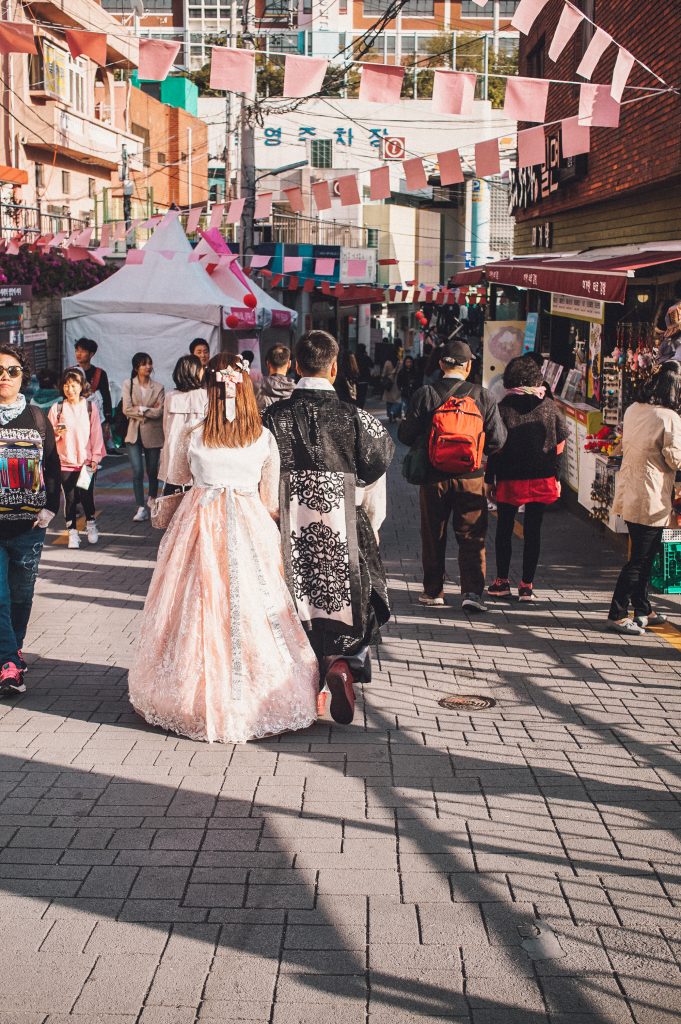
(230, 377)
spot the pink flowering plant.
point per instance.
(50, 273)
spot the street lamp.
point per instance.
(282, 170)
(249, 208)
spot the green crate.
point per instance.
(665, 577)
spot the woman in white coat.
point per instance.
(183, 410)
(651, 445)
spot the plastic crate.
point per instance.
(665, 577)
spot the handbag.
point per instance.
(164, 508)
(416, 464)
(119, 425)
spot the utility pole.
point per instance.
(231, 41)
(127, 192)
(189, 168)
(247, 148)
(495, 31)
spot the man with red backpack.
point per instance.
(453, 424)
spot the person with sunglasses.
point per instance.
(30, 483)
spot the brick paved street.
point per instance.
(512, 866)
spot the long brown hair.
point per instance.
(246, 427)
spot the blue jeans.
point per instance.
(139, 457)
(19, 561)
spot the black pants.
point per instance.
(632, 585)
(534, 514)
(75, 496)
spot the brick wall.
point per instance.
(646, 149)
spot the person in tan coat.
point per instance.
(142, 400)
(651, 446)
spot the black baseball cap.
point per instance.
(456, 353)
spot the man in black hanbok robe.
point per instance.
(330, 451)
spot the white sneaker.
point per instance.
(141, 515)
(74, 539)
(92, 531)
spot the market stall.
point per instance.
(601, 318)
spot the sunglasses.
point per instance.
(10, 371)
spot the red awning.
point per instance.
(605, 278)
(13, 176)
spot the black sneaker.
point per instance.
(525, 592)
(500, 588)
(473, 602)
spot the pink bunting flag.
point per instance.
(216, 215)
(232, 70)
(61, 235)
(194, 219)
(531, 147)
(295, 199)
(263, 206)
(83, 237)
(451, 171)
(259, 260)
(480, 3)
(167, 254)
(526, 99)
(293, 264)
(235, 211)
(600, 41)
(303, 76)
(381, 83)
(575, 137)
(77, 253)
(156, 59)
(13, 246)
(87, 44)
(17, 37)
(134, 257)
(570, 20)
(454, 92)
(487, 159)
(597, 108)
(348, 190)
(97, 255)
(119, 231)
(324, 266)
(623, 65)
(194, 257)
(379, 183)
(321, 195)
(527, 13)
(357, 268)
(415, 174)
(105, 236)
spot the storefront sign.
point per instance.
(590, 310)
(15, 292)
(531, 329)
(357, 266)
(542, 235)
(532, 185)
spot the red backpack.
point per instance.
(457, 436)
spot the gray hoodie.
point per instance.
(272, 389)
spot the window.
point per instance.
(469, 9)
(57, 73)
(143, 133)
(91, 188)
(66, 183)
(536, 59)
(40, 176)
(160, 157)
(372, 238)
(321, 153)
(412, 9)
(342, 6)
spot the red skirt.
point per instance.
(544, 490)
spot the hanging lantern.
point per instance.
(250, 300)
(232, 321)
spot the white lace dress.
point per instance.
(222, 654)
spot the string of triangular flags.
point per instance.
(233, 69)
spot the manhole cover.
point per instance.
(460, 701)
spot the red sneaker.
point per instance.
(22, 662)
(11, 679)
(322, 699)
(339, 681)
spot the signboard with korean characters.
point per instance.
(357, 266)
(578, 308)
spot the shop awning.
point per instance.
(590, 275)
(13, 176)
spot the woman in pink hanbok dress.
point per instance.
(223, 656)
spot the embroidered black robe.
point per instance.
(329, 450)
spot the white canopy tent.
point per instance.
(158, 307)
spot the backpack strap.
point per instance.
(96, 377)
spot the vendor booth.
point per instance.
(601, 317)
(158, 307)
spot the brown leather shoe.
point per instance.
(339, 681)
(322, 699)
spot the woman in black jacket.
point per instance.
(525, 471)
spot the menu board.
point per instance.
(581, 420)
